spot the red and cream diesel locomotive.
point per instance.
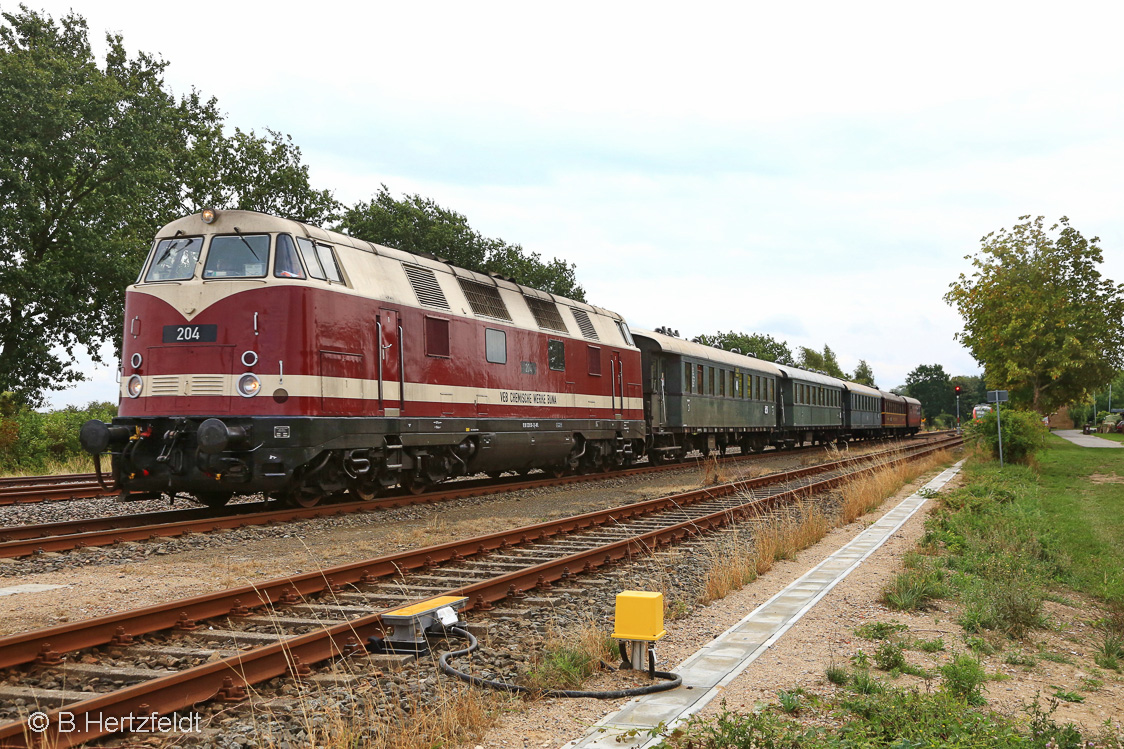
(266, 355)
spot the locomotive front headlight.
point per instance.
(248, 385)
(134, 386)
(208, 215)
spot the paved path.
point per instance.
(707, 672)
(1085, 440)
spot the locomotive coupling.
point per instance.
(96, 436)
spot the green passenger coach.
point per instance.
(698, 397)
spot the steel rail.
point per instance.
(26, 540)
(226, 675)
(32, 489)
(25, 648)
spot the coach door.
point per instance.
(617, 375)
(392, 394)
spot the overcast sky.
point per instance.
(815, 171)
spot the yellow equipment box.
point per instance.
(639, 616)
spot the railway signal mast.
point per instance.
(958, 409)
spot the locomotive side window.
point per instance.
(286, 263)
(556, 355)
(308, 252)
(495, 346)
(329, 263)
(436, 337)
(240, 256)
(175, 259)
(595, 361)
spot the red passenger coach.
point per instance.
(265, 355)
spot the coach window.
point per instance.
(286, 264)
(175, 259)
(495, 346)
(595, 361)
(772, 390)
(556, 354)
(687, 377)
(699, 379)
(722, 382)
(437, 337)
(240, 256)
(308, 252)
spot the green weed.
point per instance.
(964, 677)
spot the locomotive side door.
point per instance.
(392, 394)
(618, 383)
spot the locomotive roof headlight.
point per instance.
(249, 385)
(136, 360)
(249, 358)
(208, 215)
(134, 386)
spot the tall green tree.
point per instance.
(824, 361)
(1039, 316)
(95, 156)
(758, 345)
(419, 225)
(930, 384)
(864, 375)
(85, 165)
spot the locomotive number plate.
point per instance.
(191, 333)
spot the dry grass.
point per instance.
(736, 558)
(714, 473)
(359, 716)
(566, 661)
(868, 492)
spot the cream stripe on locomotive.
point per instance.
(308, 386)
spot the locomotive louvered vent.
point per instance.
(546, 314)
(166, 385)
(586, 325)
(426, 288)
(485, 300)
(206, 384)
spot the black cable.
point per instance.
(673, 680)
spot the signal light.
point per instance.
(958, 390)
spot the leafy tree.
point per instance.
(864, 375)
(757, 345)
(930, 384)
(821, 362)
(247, 172)
(93, 160)
(419, 225)
(1039, 316)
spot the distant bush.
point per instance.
(1024, 434)
(30, 441)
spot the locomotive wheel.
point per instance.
(413, 484)
(363, 488)
(300, 499)
(214, 500)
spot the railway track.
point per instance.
(26, 540)
(15, 490)
(282, 626)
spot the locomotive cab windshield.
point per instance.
(240, 256)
